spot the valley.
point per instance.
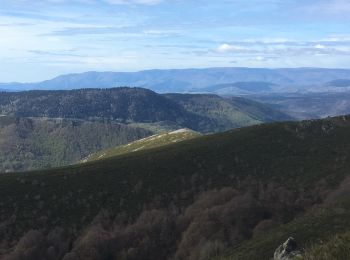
(44, 129)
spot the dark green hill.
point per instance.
(129, 105)
(121, 104)
(32, 143)
(190, 200)
(234, 112)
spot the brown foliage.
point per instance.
(35, 245)
(215, 220)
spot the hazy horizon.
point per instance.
(48, 38)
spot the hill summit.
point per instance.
(146, 143)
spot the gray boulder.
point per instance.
(287, 251)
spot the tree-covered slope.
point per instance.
(190, 200)
(128, 105)
(32, 143)
(122, 104)
(233, 111)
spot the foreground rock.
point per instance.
(288, 250)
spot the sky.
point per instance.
(40, 39)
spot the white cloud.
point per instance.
(141, 2)
(320, 46)
(224, 48)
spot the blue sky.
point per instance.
(44, 38)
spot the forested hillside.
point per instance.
(192, 200)
(231, 111)
(136, 105)
(29, 143)
(93, 118)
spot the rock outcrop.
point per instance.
(287, 251)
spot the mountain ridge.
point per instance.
(146, 143)
(137, 105)
(184, 80)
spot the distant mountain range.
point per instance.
(186, 80)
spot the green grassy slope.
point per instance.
(144, 144)
(336, 247)
(280, 170)
(32, 143)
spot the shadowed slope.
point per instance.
(199, 195)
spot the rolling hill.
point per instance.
(136, 105)
(36, 143)
(144, 144)
(194, 199)
(232, 111)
